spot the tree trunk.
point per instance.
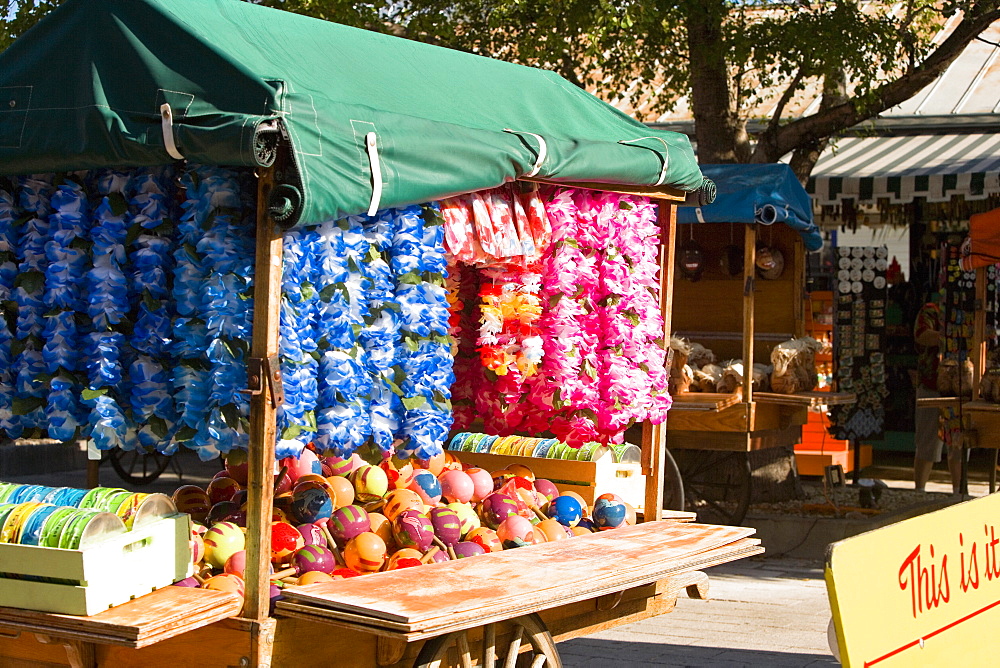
(720, 134)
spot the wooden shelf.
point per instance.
(704, 401)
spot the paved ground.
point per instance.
(761, 612)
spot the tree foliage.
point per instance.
(729, 59)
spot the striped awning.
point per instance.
(899, 169)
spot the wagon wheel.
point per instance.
(136, 466)
(716, 484)
(530, 645)
(673, 484)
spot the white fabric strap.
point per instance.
(542, 149)
(371, 143)
(167, 122)
(666, 152)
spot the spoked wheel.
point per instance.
(137, 466)
(716, 484)
(528, 645)
(673, 483)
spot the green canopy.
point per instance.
(87, 86)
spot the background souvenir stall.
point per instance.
(118, 103)
(968, 375)
(742, 264)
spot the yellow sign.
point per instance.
(921, 592)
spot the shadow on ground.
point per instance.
(596, 653)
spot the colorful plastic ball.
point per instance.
(382, 527)
(440, 556)
(552, 529)
(501, 478)
(311, 505)
(343, 491)
(339, 466)
(222, 489)
(283, 483)
(240, 497)
(515, 527)
(285, 540)
(221, 541)
(435, 464)
(514, 542)
(580, 500)
(451, 462)
(225, 582)
(312, 577)
(365, 553)
(348, 522)
(312, 534)
(566, 510)
(486, 539)
(495, 508)
(427, 486)
(314, 558)
(197, 544)
(398, 500)
(344, 573)
(609, 514)
(522, 471)
(188, 582)
(237, 466)
(580, 531)
(482, 483)
(370, 483)
(413, 529)
(588, 524)
(470, 520)
(404, 558)
(236, 563)
(399, 472)
(546, 488)
(312, 480)
(630, 515)
(447, 525)
(611, 496)
(468, 549)
(538, 536)
(306, 462)
(192, 500)
(456, 486)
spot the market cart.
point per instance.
(224, 83)
(729, 305)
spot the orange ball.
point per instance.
(382, 527)
(435, 464)
(580, 531)
(486, 539)
(192, 500)
(225, 582)
(404, 558)
(552, 530)
(365, 553)
(451, 462)
(285, 541)
(521, 470)
(312, 577)
(399, 500)
(343, 491)
(630, 517)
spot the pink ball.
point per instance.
(482, 483)
(513, 527)
(339, 466)
(312, 534)
(305, 463)
(456, 486)
(546, 488)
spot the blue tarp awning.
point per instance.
(763, 194)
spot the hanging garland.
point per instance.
(9, 422)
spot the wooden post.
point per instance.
(799, 283)
(267, 296)
(654, 437)
(749, 279)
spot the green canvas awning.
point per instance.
(86, 87)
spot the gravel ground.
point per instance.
(846, 502)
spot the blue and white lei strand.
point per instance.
(150, 265)
(9, 423)
(107, 307)
(68, 254)
(34, 195)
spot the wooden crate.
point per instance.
(814, 462)
(588, 479)
(98, 577)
